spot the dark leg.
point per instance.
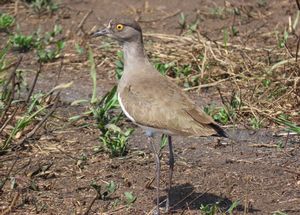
(171, 167)
(157, 162)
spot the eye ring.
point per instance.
(119, 27)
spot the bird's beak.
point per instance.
(102, 32)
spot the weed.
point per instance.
(213, 209)
(233, 206)
(102, 111)
(282, 39)
(219, 114)
(210, 209)
(225, 37)
(193, 26)
(182, 72)
(6, 21)
(163, 68)
(130, 198)
(22, 43)
(33, 111)
(48, 55)
(42, 6)
(108, 190)
(163, 141)
(226, 113)
(3, 53)
(255, 122)
(79, 49)
(48, 47)
(111, 187)
(290, 126)
(266, 83)
(280, 145)
(182, 20)
(217, 12)
(277, 91)
(119, 65)
(115, 140)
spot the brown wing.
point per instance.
(164, 106)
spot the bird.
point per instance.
(152, 101)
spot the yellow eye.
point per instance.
(119, 27)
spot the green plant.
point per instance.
(108, 190)
(210, 209)
(102, 111)
(282, 39)
(226, 113)
(233, 206)
(34, 110)
(130, 198)
(22, 43)
(79, 49)
(182, 72)
(225, 37)
(193, 26)
(217, 12)
(182, 20)
(163, 68)
(111, 187)
(219, 114)
(48, 46)
(115, 140)
(3, 53)
(255, 122)
(266, 83)
(119, 65)
(163, 141)
(41, 6)
(290, 126)
(6, 21)
(50, 54)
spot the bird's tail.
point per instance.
(219, 130)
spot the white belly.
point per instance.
(123, 109)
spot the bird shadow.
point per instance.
(184, 197)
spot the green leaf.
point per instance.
(130, 198)
(111, 187)
(233, 206)
(79, 49)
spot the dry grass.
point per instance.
(265, 80)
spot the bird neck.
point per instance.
(134, 54)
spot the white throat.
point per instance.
(134, 55)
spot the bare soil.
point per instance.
(55, 171)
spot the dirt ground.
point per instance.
(55, 171)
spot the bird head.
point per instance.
(122, 30)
